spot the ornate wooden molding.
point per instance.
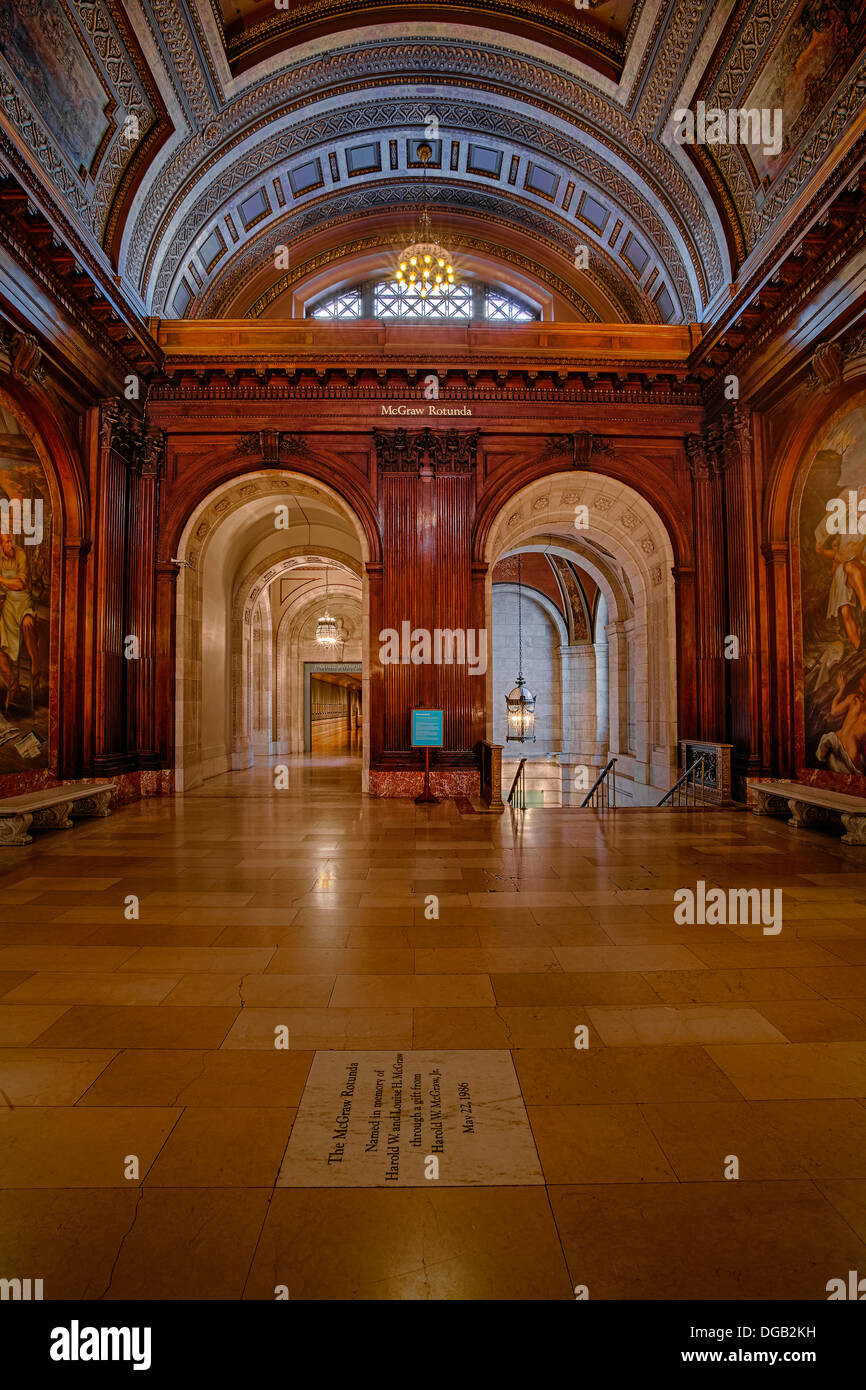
(582, 447)
(25, 357)
(426, 452)
(827, 364)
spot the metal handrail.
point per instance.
(519, 777)
(689, 779)
(602, 793)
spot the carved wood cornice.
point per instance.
(56, 257)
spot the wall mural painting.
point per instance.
(25, 596)
(45, 56)
(833, 596)
(823, 38)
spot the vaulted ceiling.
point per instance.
(188, 143)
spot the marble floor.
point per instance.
(146, 1109)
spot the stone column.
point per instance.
(579, 757)
(602, 714)
(617, 649)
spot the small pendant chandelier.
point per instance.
(326, 627)
(425, 266)
(520, 702)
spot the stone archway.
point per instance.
(228, 545)
(620, 701)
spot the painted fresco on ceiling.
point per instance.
(612, 15)
(44, 53)
(833, 599)
(25, 596)
(822, 40)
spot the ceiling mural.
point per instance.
(551, 127)
(598, 30)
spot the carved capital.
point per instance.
(117, 426)
(700, 456)
(426, 452)
(151, 454)
(736, 437)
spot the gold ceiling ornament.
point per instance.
(425, 266)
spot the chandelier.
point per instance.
(326, 627)
(520, 702)
(425, 266)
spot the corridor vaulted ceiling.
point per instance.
(188, 142)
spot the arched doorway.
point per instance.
(598, 618)
(254, 559)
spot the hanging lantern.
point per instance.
(520, 702)
(326, 627)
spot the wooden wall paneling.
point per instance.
(741, 528)
(74, 734)
(376, 689)
(107, 592)
(780, 687)
(452, 575)
(144, 480)
(710, 548)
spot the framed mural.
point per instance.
(833, 599)
(821, 40)
(45, 54)
(25, 597)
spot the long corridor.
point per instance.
(286, 952)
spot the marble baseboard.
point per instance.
(446, 783)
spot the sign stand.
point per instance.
(427, 733)
(427, 795)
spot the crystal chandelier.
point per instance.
(425, 266)
(520, 702)
(326, 627)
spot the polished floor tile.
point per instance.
(644, 1055)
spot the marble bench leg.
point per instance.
(13, 829)
(768, 804)
(855, 828)
(95, 805)
(807, 817)
(54, 817)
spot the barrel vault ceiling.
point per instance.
(186, 142)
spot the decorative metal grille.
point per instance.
(458, 304)
(502, 309)
(339, 306)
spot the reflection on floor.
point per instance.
(304, 910)
(333, 736)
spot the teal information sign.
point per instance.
(427, 728)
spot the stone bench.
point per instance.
(810, 808)
(53, 808)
